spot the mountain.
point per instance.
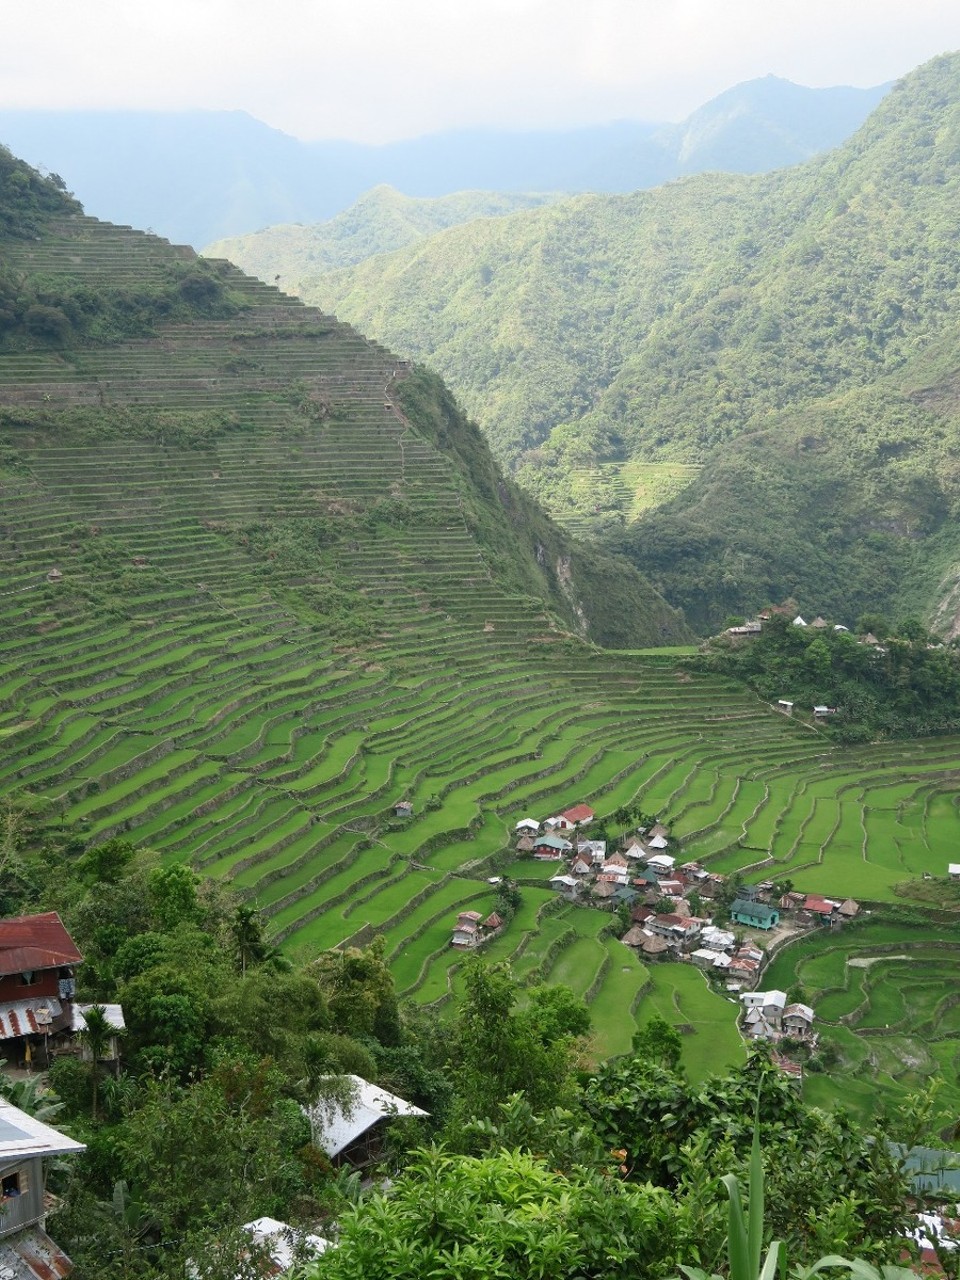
(381, 220)
(792, 334)
(259, 580)
(198, 176)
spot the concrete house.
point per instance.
(797, 1021)
(467, 933)
(579, 815)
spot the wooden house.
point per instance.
(38, 959)
(25, 1142)
(550, 848)
(757, 915)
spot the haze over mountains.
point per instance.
(794, 333)
(197, 176)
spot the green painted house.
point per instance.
(755, 914)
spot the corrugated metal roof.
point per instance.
(35, 942)
(22, 1135)
(28, 1017)
(32, 1255)
(112, 1012)
(336, 1126)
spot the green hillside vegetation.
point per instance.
(381, 221)
(905, 686)
(260, 581)
(794, 333)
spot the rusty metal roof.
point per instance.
(35, 942)
(30, 1017)
(32, 1255)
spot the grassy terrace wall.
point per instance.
(269, 620)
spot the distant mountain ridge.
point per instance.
(382, 220)
(794, 332)
(197, 176)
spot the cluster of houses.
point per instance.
(39, 1019)
(767, 1016)
(666, 900)
(592, 871)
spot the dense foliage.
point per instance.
(602, 1172)
(381, 221)
(904, 687)
(794, 332)
(526, 548)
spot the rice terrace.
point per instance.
(249, 603)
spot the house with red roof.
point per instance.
(579, 815)
(823, 908)
(38, 959)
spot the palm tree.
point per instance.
(248, 940)
(96, 1036)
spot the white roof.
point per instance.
(22, 1135)
(527, 824)
(722, 961)
(777, 998)
(720, 938)
(658, 842)
(954, 869)
(335, 1126)
(112, 1012)
(568, 881)
(798, 621)
(280, 1240)
(661, 860)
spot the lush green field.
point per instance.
(264, 636)
(885, 996)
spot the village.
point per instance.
(682, 913)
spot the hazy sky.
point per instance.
(376, 70)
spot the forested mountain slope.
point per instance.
(667, 324)
(381, 220)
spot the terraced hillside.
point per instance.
(249, 601)
(885, 996)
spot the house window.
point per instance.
(10, 1185)
(28, 978)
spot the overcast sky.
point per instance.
(378, 70)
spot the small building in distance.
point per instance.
(579, 816)
(403, 809)
(756, 915)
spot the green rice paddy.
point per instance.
(223, 704)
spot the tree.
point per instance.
(96, 1037)
(657, 1041)
(508, 1214)
(246, 928)
(499, 1051)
